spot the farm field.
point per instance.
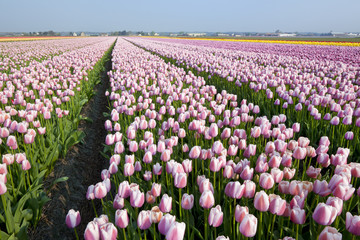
(163, 138)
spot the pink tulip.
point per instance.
(213, 130)
(217, 147)
(73, 218)
(321, 188)
(299, 153)
(297, 215)
(133, 146)
(277, 174)
(108, 231)
(261, 201)
(156, 189)
(180, 180)
(250, 151)
(144, 219)
(165, 223)
(207, 199)
(216, 216)
(343, 191)
(313, 172)
(3, 188)
(336, 203)
(137, 198)
(165, 203)
(25, 165)
(248, 225)
(124, 189)
(187, 201)
(289, 173)
(92, 231)
(324, 214)
(250, 188)
(156, 214)
(266, 181)
(330, 233)
(100, 190)
(118, 202)
(240, 213)
(195, 152)
(121, 218)
(128, 169)
(147, 157)
(353, 224)
(176, 231)
(187, 165)
(165, 155)
(277, 205)
(247, 173)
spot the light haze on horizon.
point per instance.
(185, 15)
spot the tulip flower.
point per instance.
(165, 223)
(144, 219)
(165, 203)
(330, 233)
(121, 218)
(92, 231)
(248, 225)
(176, 231)
(108, 231)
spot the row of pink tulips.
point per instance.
(312, 90)
(184, 156)
(40, 107)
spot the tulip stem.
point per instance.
(92, 201)
(206, 222)
(4, 202)
(28, 179)
(77, 237)
(297, 231)
(12, 183)
(125, 233)
(272, 227)
(188, 222)
(180, 202)
(260, 226)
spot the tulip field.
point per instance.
(204, 139)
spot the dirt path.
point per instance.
(83, 164)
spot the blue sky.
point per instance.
(181, 15)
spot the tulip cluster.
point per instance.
(299, 82)
(184, 155)
(44, 85)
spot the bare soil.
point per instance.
(82, 164)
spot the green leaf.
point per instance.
(195, 230)
(10, 223)
(87, 119)
(75, 138)
(4, 235)
(27, 214)
(19, 208)
(62, 179)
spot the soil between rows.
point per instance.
(82, 164)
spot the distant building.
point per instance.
(74, 34)
(104, 35)
(173, 34)
(197, 34)
(338, 34)
(156, 34)
(82, 34)
(223, 35)
(287, 34)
